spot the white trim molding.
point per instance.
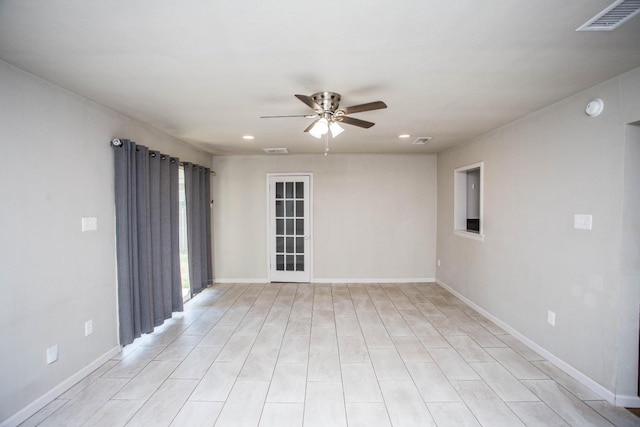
(469, 235)
(609, 396)
(627, 401)
(241, 280)
(374, 280)
(339, 280)
(52, 394)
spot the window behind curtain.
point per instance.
(184, 243)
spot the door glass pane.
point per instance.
(280, 262)
(289, 191)
(299, 262)
(279, 226)
(279, 190)
(299, 227)
(299, 190)
(290, 248)
(289, 226)
(290, 265)
(289, 208)
(299, 208)
(299, 245)
(279, 208)
(279, 244)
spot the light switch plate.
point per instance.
(88, 328)
(89, 223)
(551, 318)
(52, 353)
(583, 221)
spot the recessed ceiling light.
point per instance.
(248, 137)
(404, 135)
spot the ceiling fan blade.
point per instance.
(309, 101)
(311, 125)
(377, 105)
(355, 122)
(306, 116)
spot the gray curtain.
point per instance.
(146, 193)
(197, 184)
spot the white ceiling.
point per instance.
(205, 71)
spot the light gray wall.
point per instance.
(374, 216)
(57, 166)
(538, 172)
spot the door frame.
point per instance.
(309, 219)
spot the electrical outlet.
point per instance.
(52, 353)
(439, 263)
(583, 221)
(551, 318)
(89, 223)
(88, 328)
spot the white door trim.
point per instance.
(270, 230)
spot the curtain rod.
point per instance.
(115, 142)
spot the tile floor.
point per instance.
(329, 355)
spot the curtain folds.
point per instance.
(146, 196)
(198, 192)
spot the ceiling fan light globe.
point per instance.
(336, 129)
(315, 133)
(320, 128)
(323, 125)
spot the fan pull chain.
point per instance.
(326, 144)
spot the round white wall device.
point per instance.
(594, 107)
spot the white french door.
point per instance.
(289, 201)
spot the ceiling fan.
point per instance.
(328, 115)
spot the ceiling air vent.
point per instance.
(276, 150)
(422, 140)
(613, 16)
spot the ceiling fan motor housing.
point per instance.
(328, 101)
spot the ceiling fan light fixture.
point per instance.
(319, 128)
(336, 129)
(329, 116)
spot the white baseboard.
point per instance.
(368, 280)
(241, 280)
(562, 365)
(628, 401)
(385, 280)
(49, 396)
